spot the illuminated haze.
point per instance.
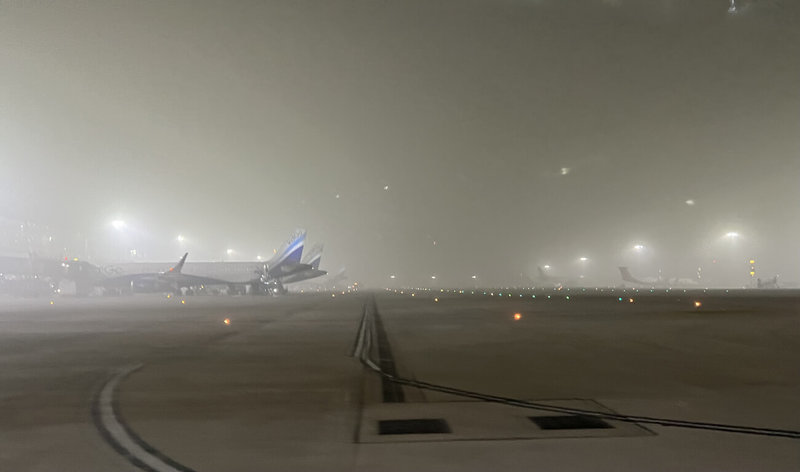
(461, 137)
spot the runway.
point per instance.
(156, 383)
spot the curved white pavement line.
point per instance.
(121, 437)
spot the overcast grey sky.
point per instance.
(235, 122)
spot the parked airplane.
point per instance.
(172, 280)
(555, 281)
(657, 282)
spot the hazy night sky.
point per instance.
(233, 123)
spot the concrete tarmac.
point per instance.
(275, 389)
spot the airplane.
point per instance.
(313, 260)
(555, 281)
(172, 280)
(659, 282)
(768, 283)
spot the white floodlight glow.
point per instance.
(547, 266)
(474, 276)
(392, 276)
(731, 235)
(180, 238)
(639, 247)
(118, 224)
(584, 259)
(433, 277)
(229, 252)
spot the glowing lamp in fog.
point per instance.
(630, 300)
(732, 235)
(227, 321)
(584, 259)
(436, 300)
(697, 304)
(118, 224)
(183, 302)
(517, 316)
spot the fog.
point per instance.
(415, 139)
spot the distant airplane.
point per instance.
(768, 283)
(657, 282)
(555, 281)
(172, 280)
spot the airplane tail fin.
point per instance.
(179, 266)
(291, 251)
(627, 277)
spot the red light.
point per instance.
(517, 316)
